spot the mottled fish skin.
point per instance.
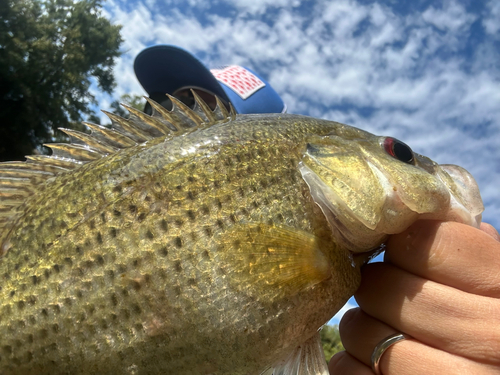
(198, 254)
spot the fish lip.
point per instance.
(466, 205)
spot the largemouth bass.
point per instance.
(201, 242)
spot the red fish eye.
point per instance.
(398, 150)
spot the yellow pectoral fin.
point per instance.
(267, 259)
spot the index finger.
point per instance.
(449, 253)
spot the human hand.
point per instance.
(440, 284)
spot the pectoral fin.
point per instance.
(306, 359)
(267, 259)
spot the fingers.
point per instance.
(344, 364)
(361, 333)
(450, 253)
(437, 315)
(488, 228)
(440, 285)
(356, 322)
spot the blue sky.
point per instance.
(426, 72)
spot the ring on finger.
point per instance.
(381, 347)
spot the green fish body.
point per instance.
(199, 242)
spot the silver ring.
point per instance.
(381, 347)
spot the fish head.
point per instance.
(369, 187)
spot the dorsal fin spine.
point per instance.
(164, 114)
(90, 140)
(151, 121)
(53, 162)
(73, 151)
(232, 112)
(110, 136)
(205, 109)
(14, 183)
(126, 126)
(182, 109)
(222, 108)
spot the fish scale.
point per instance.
(202, 252)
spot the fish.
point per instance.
(199, 241)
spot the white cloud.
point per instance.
(452, 17)
(491, 20)
(259, 7)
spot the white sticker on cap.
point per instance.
(240, 80)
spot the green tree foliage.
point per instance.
(49, 52)
(330, 340)
(134, 101)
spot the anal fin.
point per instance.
(307, 359)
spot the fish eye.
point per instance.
(398, 150)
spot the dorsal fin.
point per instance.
(19, 180)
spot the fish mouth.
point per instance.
(466, 205)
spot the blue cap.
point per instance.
(167, 69)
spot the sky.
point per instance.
(425, 72)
